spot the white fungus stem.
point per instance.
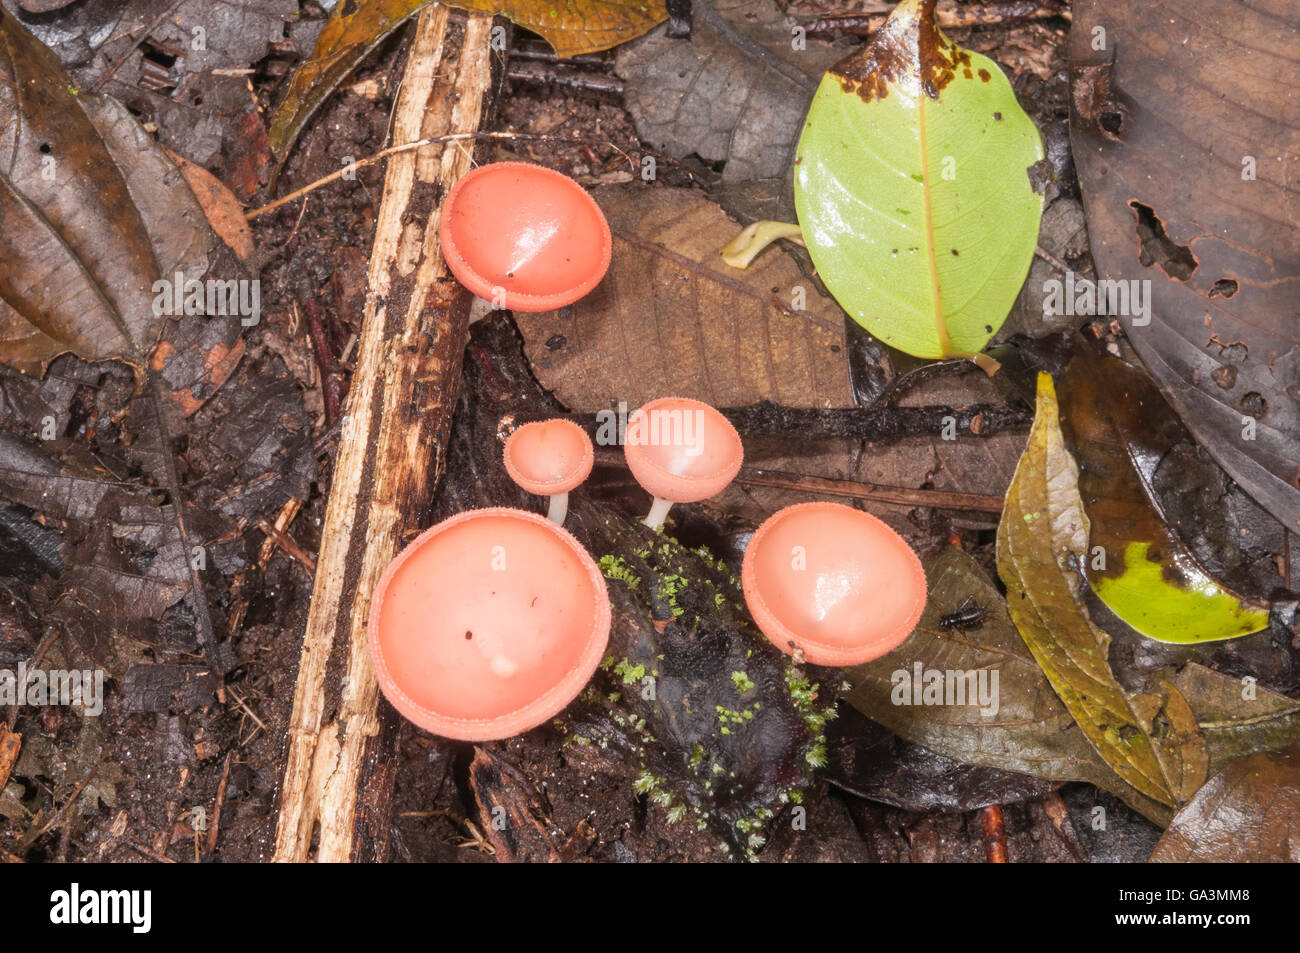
(658, 513)
(480, 308)
(558, 509)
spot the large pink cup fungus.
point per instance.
(680, 451)
(833, 582)
(550, 458)
(524, 237)
(488, 624)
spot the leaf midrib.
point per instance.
(936, 303)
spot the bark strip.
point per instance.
(338, 779)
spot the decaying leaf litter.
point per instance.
(249, 444)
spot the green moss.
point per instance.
(613, 567)
(742, 682)
(631, 674)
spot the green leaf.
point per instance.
(912, 190)
(1151, 740)
(1120, 428)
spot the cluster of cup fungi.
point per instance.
(491, 622)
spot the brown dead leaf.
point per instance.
(1249, 812)
(223, 211)
(574, 27)
(10, 744)
(1190, 187)
(671, 318)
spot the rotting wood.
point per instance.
(337, 791)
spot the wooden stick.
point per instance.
(392, 442)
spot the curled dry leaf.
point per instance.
(1151, 741)
(223, 211)
(671, 318)
(1190, 186)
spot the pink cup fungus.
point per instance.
(680, 451)
(524, 237)
(550, 458)
(833, 582)
(488, 624)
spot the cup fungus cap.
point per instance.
(524, 236)
(833, 581)
(549, 456)
(682, 450)
(488, 624)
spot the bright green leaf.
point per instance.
(911, 185)
(1120, 428)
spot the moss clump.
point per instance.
(631, 674)
(742, 682)
(613, 567)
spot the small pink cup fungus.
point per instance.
(680, 451)
(488, 624)
(524, 237)
(550, 458)
(834, 582)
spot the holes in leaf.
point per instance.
(1177, 261)
(1224, 288)
(1253, 404)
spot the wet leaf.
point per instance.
(357, 26)
(1150, 740)
(1031, 731)
(706, 97)
(672, 318)
(1190, 192)
(1236, 716)
(91, 212)
(1248, 813)
(1119, 429)
(912, 190)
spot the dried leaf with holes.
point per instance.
(1187, 187)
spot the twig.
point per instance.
(948, 17)
(394, 150)
(37, 657)
(33, 836)
(880, 493)
(211, 844)
(329, 371)
(995, 834)
(286, 543)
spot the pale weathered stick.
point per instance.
(339, 773)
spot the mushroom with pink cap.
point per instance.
(488, 624)
(680, 451)
(833, 583)
(524, 237)
(550, 458)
